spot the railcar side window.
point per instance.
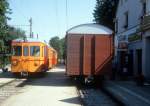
(45, 51)
(25, 51)
(17, 50)
(35, 51)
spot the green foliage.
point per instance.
(14, 33)
(105, 11)
(59, 45)
(63, 48)
(7, 33)
(4, 10)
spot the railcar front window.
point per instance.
(25, 51)
(17, 50)
(35, 51)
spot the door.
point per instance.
(35, 58)
(139, 61)
(130, 64)
(25, 58)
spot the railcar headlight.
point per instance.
(35, 64)
(15, 62)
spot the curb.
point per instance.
(115, 97)
(7, 83)
(125, 96)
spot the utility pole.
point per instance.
(66, 15)
(37, 36)
(30, 21)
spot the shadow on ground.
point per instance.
(6, 75)
(54, 77)
(74, 100)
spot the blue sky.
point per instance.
(49, 16)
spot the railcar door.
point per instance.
(25, 58)
(16, 65)
(45, 57)
(35, 58)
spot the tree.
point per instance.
(4, 10)
(7, 33)
(105, 11)
(14, 33)
(59, 45)
(63, 48)
(55, 43)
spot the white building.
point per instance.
(132, 37)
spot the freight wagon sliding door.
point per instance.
(74, 54)
(87, 55)
(103, 53)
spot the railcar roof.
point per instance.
(90, 29)
(30, 40)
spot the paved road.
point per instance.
(55, 89)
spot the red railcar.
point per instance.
(89, 50)
(54, 57)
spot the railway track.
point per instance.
(11, 88)
(96, 96)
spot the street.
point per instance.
(54, 89)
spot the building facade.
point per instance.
(132, 37)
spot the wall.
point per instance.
(135, 46)
(134, 8)
(146, 55)
(148, 6)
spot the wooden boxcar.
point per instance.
(31, 56)
(89, 50)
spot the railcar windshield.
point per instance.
(25, 51)
(35, 51)
(17, 50)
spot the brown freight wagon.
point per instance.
(89, 50)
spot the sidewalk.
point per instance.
(129, 93)
(6, 77)
(4, 81)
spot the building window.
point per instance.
(126, 20)
(144, 8)
(121, 1)
(116, 26)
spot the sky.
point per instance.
(49, 16)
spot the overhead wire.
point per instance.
(22, 15)
(57, 17)
(66, 15)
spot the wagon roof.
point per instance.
(89, 29)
